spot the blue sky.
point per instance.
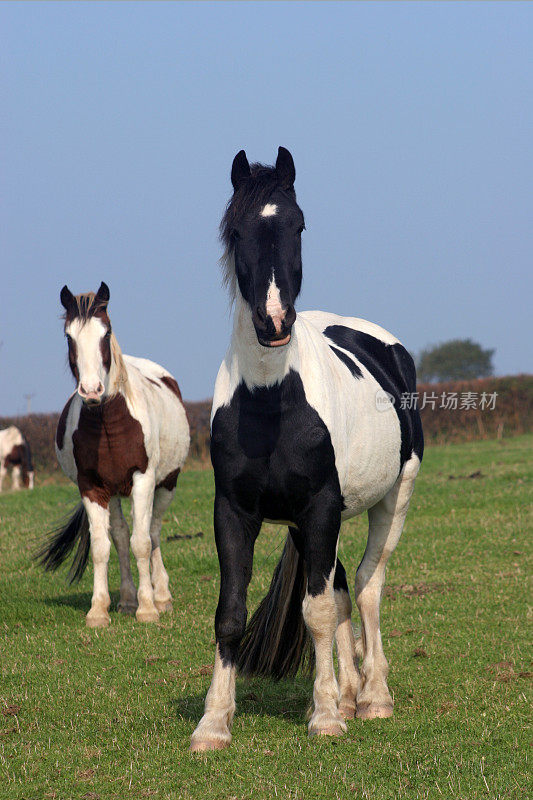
(411, 126)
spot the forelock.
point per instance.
(250, 197)
(85, 310)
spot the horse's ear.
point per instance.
(68, 301)
(102, 295)
(101, 299)
(240, 169)
(285, 168)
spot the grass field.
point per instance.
(108, 714)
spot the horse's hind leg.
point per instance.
(162, 596)
(386, 521)
(120, 534)
(3, 472)
(344, 638)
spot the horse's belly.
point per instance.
(168, 424)
(371, 463)
(281, 522)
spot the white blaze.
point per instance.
(89, 357)
(274, 307)
(269, 210)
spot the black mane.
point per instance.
(251, 196)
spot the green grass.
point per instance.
(108, 714)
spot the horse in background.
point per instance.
(123, 433)
(307, 429)
(15, 452)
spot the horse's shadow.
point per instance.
(287, 699)
(79, 600)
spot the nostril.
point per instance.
(83, 390)
(100, 388)
(290, 316)
(261, 315)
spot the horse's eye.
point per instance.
(69, 338)
(235, 234)
(107, 335)
(301, 229)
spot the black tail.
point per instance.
(61, 541)
(276, 641)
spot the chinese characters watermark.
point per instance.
(450, 401)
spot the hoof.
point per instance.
(374, 711)
(163, 605)
(97, 621)
(327, 725)
(347, 710)
(147, 615)
(127, 608)
(204, 745)
(329, 730)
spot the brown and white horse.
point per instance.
(124, 432)
(15, 453)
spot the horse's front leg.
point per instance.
(142, 495)
(319, 526)
(16, 475)
(235, 536)
(98, 616)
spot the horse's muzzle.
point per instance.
(274, 333)
(91, 397)
(276, 342)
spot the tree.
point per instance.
(458, 359)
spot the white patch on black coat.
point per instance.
(269, 210)
(274, 306)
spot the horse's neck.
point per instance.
(118, 376)
(250, 361)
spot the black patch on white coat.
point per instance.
(340, 582)
(394, 370)
(350, 363)
(271, 450)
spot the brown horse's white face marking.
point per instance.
(88, 342)
(88, 332)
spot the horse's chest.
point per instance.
(108, 449)
(271, 451)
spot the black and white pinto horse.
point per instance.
(15, 454)
(124, 432)
(307, 429)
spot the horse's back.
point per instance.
(324, 319)
(9, 438)
(146, 367)
(371, 346)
